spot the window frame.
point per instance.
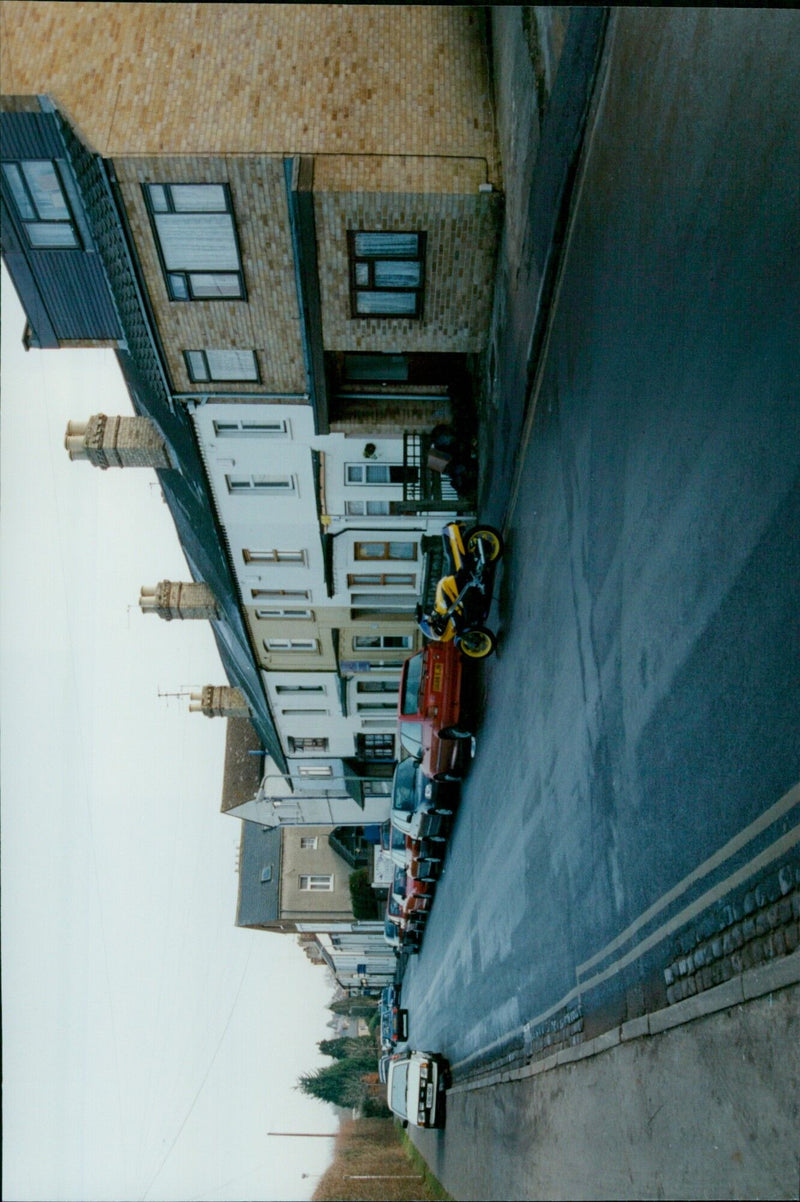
(300, 743)
(361, 556)
(405, 643)
(356, 260)
(210, 378)
(241, 428)
(275, 556)
(314, 882)
(362, 469)
(293, 615)
(356, 580)
(187, 273)
(301, 646)
(375, 747)
(254, 484)
(38, 221)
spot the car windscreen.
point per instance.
(398, 839)
(411, 738)
(397, 1089)
(409, 700)
(403, 795)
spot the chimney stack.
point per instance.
(219, 701)
(117, 442)
(170, 600)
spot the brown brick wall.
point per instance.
(144, 79)
(268, 321)
(462, 231)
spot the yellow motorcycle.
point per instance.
(463, 596)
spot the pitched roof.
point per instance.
(185, 488)
(242, 775)
(258, 902)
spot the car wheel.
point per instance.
(454, 732)
(477, 643)
(492, 539)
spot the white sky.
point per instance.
(148, 1045)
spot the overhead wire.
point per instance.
(206, 1075)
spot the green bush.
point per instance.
(362, 896)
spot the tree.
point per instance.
(362, 896)
(345, 1048)
(356, 1007)
(339, 1083)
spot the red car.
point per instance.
(413, 898)
(429, 713)
(424, 858)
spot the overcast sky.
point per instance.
(149, 1046)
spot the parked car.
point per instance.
(383, 1066)
(422, 806)
(419, 895)
(425, 858)
(393, 842)
(396, 930)
(415, 1088)
(394, 1019)
(422, 858)
(429, 710)
(413, 896)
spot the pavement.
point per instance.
(698, 1098)
(544, 65)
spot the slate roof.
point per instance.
(185, 488)
(242, 775)
(259, 856)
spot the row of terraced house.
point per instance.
(284, 220)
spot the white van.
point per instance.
(415, 1088)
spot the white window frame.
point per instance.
(231, 428)
(389, 545)
(255, 484)
(316, 882)
(304, 646)
(275, 612)
(283, 689)
(274, 556)
(367, 509)
(359, 474)
(294, 594)
(309, 842)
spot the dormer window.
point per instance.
(41, 204)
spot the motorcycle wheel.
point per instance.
(477, 643)
(491, 538)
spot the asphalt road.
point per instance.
(640, 722)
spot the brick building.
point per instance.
(285, 220)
